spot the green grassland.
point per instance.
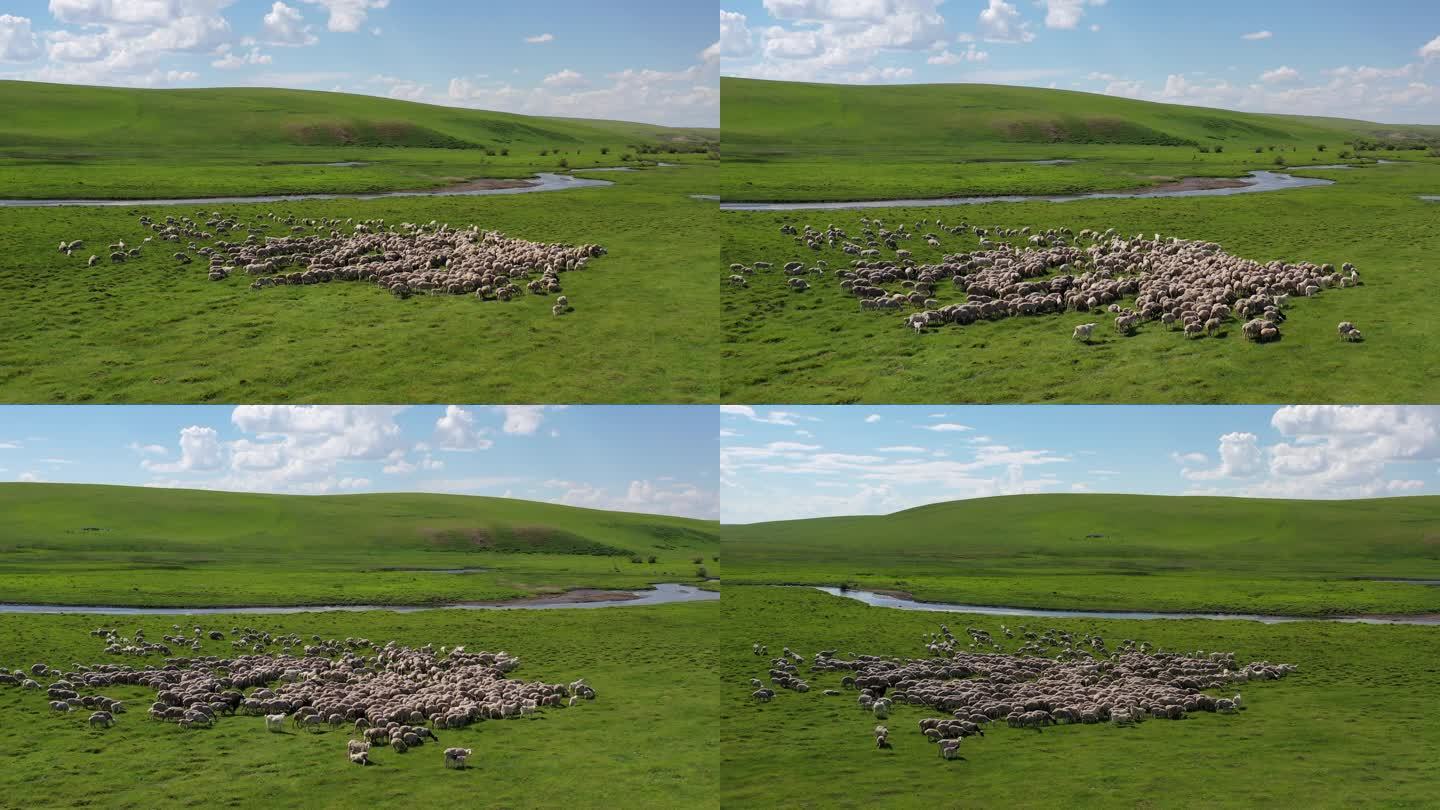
(98, 142)
(89, 545)
(794, 141)
(819, 346)
(649, 739)
(151, 330)
(1117, 552)
(1350, 728)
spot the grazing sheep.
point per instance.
(455, 757)
(330, 684)
(1055, 677)
(1170, 280)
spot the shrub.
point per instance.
(652, 559)
(1204, 150)
(1279, 160)
(702, 573)
(604, 150)
(636, 559)
(698, 560)
(1321, 147)
(716, 558)
(504, 152)
(1219, 149)
(627, 156)
(564, 164)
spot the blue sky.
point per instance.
(655, 459)
(1375, 60)
(794, 462)
(643, 60)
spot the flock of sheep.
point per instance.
(1055, 677)
(392, 695)
(404, 258)
(1191, 286)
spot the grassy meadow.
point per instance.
(1117, 552)
(818, 346)
(68, 141)
(1350, 728)
(134, 546)
(649, 739)
(153, 331)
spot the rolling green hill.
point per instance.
(1122, 552)
(83, 518)
(74, 141)
(83, 544)
(1259, 532)
(57, 116)
(784, 117)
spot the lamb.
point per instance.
(455, 757)
(360, 758)
(275, 723)
(1083, 332)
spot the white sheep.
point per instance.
(455, 757)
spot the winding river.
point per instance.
(1260, 181)
(887, 600)
(661, 594)
(543, 181)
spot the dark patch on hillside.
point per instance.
(521, 540)
(1094, 129)
(669, 537)
(373, 133)
(1230, 127)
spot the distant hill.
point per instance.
(766, 115)
(1032, 529)
(63, 116)
(78, 520)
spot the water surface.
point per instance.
(661, 594)
(890, 601)
(542, 182)
(1259, 181)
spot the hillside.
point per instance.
(75, 521)
(101, 119)
(1106, 531)
(789, 118)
